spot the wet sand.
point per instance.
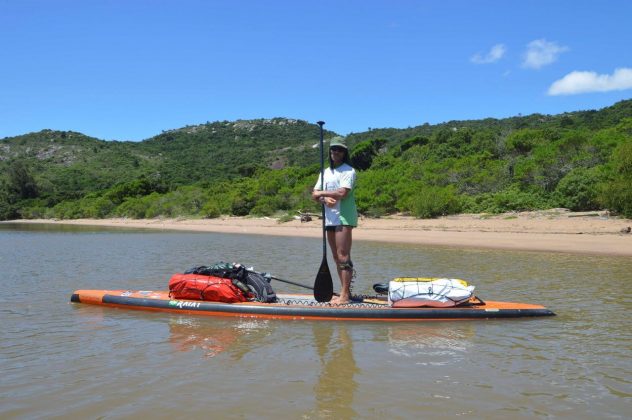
(556, 230)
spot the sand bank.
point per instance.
(555, 230)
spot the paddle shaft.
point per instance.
(294, 283)
(323, 285)
(291, 282)
(281, 280)
(322, 184)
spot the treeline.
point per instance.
(581, 161)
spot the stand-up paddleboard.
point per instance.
(303, 306)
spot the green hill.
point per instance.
(76, 164)
(578, 160)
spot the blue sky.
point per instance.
(129, 69)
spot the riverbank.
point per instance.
(556, 230)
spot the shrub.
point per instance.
(431, 202)
(136, 208)
(617, 193)
(67, 210)
(578, 190)
(97, 208)
(241, 206)
(266, 206)
(211, 210)
(617, 196)
(8, 211)
(34, 212)
(510, 199)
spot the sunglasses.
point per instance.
(337, 149)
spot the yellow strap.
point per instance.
(426, 280)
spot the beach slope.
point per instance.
(556, 230)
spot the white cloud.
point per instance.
(495, 54)
(541, 53)
(589, 81)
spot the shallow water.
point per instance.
(81, 361)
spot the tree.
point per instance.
(21, 182)
(618, 192)
(363, 153)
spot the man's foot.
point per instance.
(339, 300)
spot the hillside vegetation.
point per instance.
(580, 160)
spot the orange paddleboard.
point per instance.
(303, 306)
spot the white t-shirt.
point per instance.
(345, 211)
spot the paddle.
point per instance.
(291, 282)
(270, 276)
(355, 299)
(323, 285)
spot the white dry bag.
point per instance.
(413, 292)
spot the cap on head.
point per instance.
(338, 142)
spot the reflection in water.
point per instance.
(236, 335)
(336, 385)
(440, 344)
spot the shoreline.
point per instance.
(555, 230)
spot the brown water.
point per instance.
(80, 361)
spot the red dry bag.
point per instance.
(199, 287)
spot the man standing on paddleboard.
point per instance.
(341, 214)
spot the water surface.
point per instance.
(80, 361)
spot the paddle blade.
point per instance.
(324, 285)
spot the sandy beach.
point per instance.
(555, 230)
